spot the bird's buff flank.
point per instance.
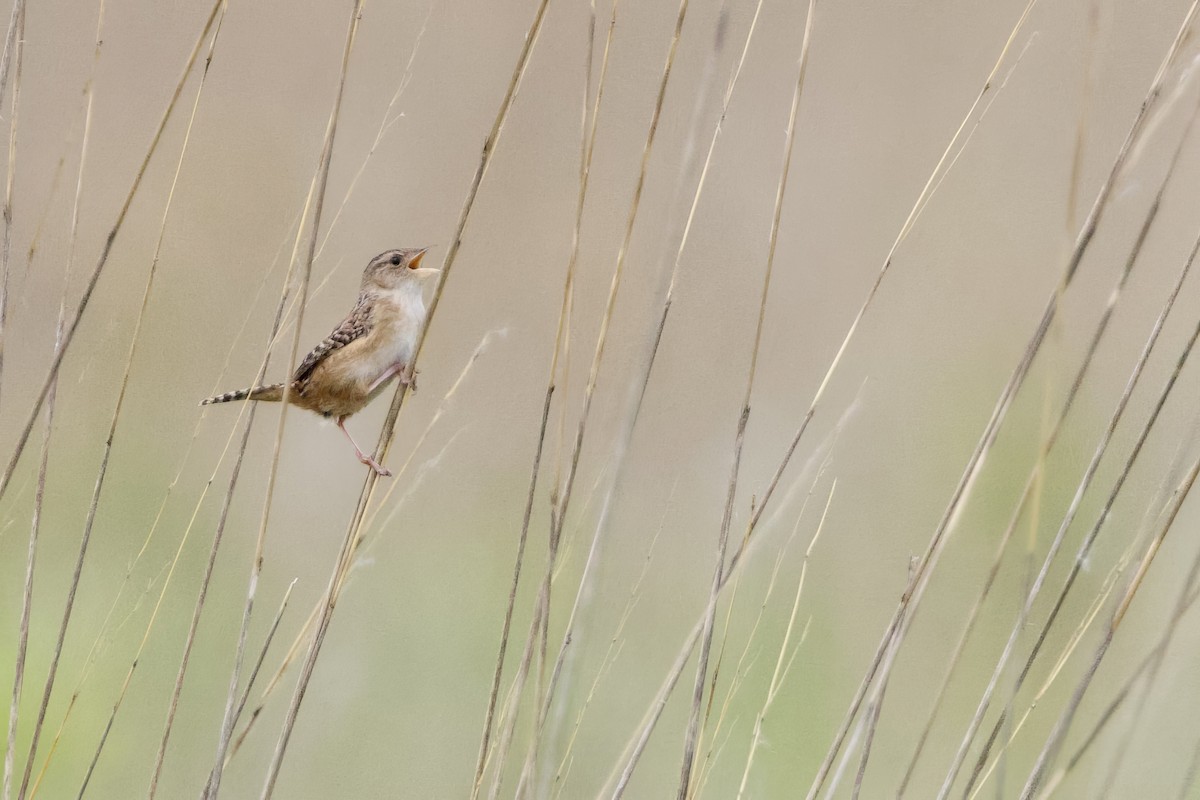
(374, 344)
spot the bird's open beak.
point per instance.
(415, 267)
(416, 260)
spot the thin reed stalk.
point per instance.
(643, 382)
(870, 723)
(16, 37)
(262, 656)
(1089, 540)
(560, 511)
(932, 184)
(622, 771)
(944, 164)
(317, 199)
(691, 736)
(1047, 445)
(745, 661)
(1146, 673)
(948, 159)
(89, 661)
(613, 649)
(364, 542)
(962, 491)
(1054, 741)
(50, 399)
(102, 260)
(401, 393)
(508, 716)
(780, 671)
(223, 516)
(72, 241)
(587, 143)
(13, 43)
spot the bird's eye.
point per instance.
(395, 261)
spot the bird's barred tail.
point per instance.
(273, 393)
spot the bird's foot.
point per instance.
(411, 382)
(380, 470)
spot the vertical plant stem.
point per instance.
(962, 491)
(1047, 446)
(50, 401)
(102, 260)
(870, 724)
(262, 656)
(630, 420)
(319, 194)
(1089, 539)
(780, 671)
(948, 159)
(587, 142)
(227, 723)
(14, 43)
(389, 423)
(622, 772)
(1146, 672)
(691, 736)
(1054, 741)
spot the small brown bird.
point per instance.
(371, 346)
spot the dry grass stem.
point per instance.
(389, 424)
(687, 227)
(16, 38)
(316, 199)
(622, 771)
(13, 43)
(50, 402)
(632, 412)
(89, 661)
(1069, 516)
(780, 671)
(615, 644)
(870, 723)
(945, 163)
(745, 661)
(102, 260)
(1048, 442)
(691, 737)
(1054, 740)
(1089, 617)
(507, 719)
(587, 139)
(546, 700)
(975, 463)
(1145, 674)
(363, 543)
(262, 656)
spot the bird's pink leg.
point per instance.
(387, 374)
(364, 458)
(394, 369)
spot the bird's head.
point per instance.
(394, 269)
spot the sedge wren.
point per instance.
(375, 343)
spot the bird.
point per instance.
(373, 344)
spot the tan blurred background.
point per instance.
(396, 705)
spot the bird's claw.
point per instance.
(380, 470)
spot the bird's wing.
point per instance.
(355, 326)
